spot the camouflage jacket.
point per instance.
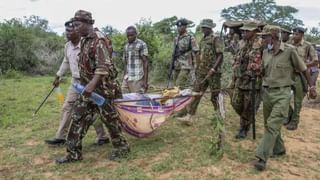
(209, 47)
(94, 59)
(248, 61)
(185, 47)
(232, 43)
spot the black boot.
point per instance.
(260, 165)
(119, 153)
(55, 141)
(241, 134)
(66, 159)
(101, 142)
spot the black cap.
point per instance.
(182, 22)
(299, 30)
(68, 23)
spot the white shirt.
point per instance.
(70, 60)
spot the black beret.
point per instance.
(299, 30)
(68, 23)
(182, 22)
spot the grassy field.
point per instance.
(174, 151)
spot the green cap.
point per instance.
(208, 23)
(270, 30)
(286, 30)
(249, 26)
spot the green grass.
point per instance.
(174, 151)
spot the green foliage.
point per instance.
(313, 35)
(109, 30)
(148, 34)
(166, 26)
(16, 47)
(118, 42)
(263, 10)
(28, 47)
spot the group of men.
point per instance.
(263, 63)
(268, 67)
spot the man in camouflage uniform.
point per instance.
(308, 54)
(246, 66)
(70, 61)
(232, 42)
(208, 68)
(280, 60)
(97, 73)
(185, 49)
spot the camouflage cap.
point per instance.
(182, 22)
(249, 26)
(270, 30)
(286, 30)
(208, 23)
(299, 30)
(83, 16)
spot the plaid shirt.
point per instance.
(133, 57)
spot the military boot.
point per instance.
(292, 126)
(242, 134)
(67, 159)
(119, 153)
(260, 165)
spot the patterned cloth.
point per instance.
(132, 55)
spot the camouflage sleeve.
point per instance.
(144, 49)
(219, 45)
(194, 44)
(102, 59)
(297, 62)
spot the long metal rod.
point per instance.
(45, 99)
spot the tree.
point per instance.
(263, 10)
(166, 26)
(36, 22)
(109, 30)
(313, 35)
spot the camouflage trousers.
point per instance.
(214, 83)
(242, 103)
(183, 78)
(83, 116)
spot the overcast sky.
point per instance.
(122, 13)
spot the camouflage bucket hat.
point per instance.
(83, 16)
(286, 30)
(270, 30)
(249, 26)
(208, 23)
